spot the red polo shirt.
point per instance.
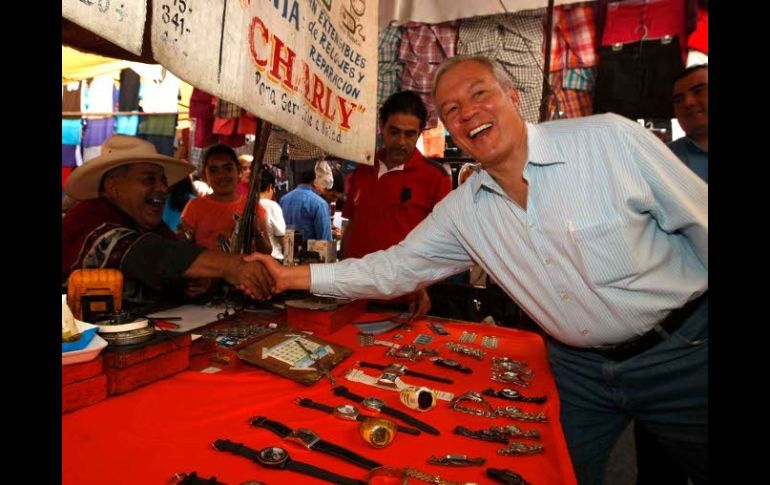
(385, 210)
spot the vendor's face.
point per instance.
(691, 103)
(399, 138)
(140, 193)
(479, 113)
(222, 174)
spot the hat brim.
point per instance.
(83, 183)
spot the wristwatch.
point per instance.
(347, 412)
(276, 457)
(311, 441)
(378, 405)
(452, 364)
(400, 369)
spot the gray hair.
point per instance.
(113, 173)
(497, 69)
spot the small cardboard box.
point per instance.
(324, 322)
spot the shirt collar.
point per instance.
(408, 165)
(539, 152)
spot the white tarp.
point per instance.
(308, 66)
(119, 21)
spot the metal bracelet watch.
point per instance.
(452, 364)
(347, 412)
(312, 441)
(457, 460)
(400, 370)
(379, 405)
(278, 458)
(506, 476)
(489, 411)
(418, 398)
(513, 395)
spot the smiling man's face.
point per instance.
(140, 193)
(479, 113)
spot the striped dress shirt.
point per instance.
(614, 237)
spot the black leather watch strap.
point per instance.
(323, 446)
(344, 392)
(321, 474)
(309, 403)
(278, 428)
(237, 448)
(340, 452)
(451, 365)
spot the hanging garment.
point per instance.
(515, 40)
(161, 96)
(567, 102)
(127, 125)
(164, 144)
(128, 98)
(389, 69)
(97, 131)
(163, 125)
(202, 115)
(699, 38)
(225, 109)
(68, 155)
(573, 40)
(71, 131)
(649, 20)
(99, 98)
(634, 80)
(71, 93)
(423, 48)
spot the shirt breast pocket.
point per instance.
(605, 254)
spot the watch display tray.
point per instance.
(295, 355)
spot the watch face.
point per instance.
(273, 456)
(346, 411)
(373, 403)
(381, 436)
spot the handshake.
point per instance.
(260, 276)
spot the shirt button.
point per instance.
(531, 224)
(565, 297)
(583, 332)
(548, 260)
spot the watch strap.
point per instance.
(278, 428)
(408, 430)
(343, 391)
(309, 403)
(321, 474)
(442, 363)
(347, 455)
(408, 372)
(237, 448)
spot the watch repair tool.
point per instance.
(348, 412)
(457, 460)
(278, 458)
(312, 441)
(378, 405)
(418, 398)
(400, 370)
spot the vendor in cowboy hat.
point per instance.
(118, 225)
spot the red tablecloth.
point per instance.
(146, 435)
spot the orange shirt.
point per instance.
(207, 219)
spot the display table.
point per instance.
(148, 434)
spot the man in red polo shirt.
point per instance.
(387, 200)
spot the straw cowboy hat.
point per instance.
(120, 150)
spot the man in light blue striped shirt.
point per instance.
(597, 231)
